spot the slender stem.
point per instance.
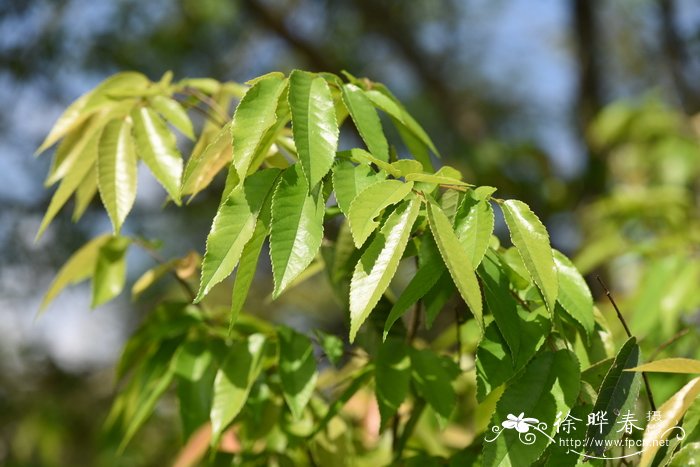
(650, 396)
(159, 259)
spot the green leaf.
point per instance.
(688, 455)
(474, 223)
(246, 270)
(254, 115)
(617, 395)
(194, 399)
(366, 121)
(85, 193)
(297, 369)
(349, 180)
(314, 124)
(392, 375)
(233, 382)
(79, 267)
(174, 113)
(116, 170)
(110, 271)
(368, 205)
(191, 360)
(297, 227)
(211, 154)
(549, 385)
(670, 365)
(530, 237)
(71, 118)
(332, 346)
(407, 167)
(379, 263)
(432, 381)
(156, 146)
(456, 259)
(574, 294)
(671, 413)
(232, 227)
(363, 157)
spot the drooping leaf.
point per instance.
(246, 270)
(658, 430)
(456, 259)
(474, 221)
(670, 365)
(314, 124)
(174, 113)
(79, 267)
(549, 385)
(432, 381)
(392, 375)
(85, 193)
(116, 170)
(531, 239)
(617, 396)
(232, 227)
(574, 294)
(297, 227)
(297, 369)
(234, 380)
(379, 263)
(191, 360)
(156, 146)
(195, 401)
(211, 154)
(110, 270)
(369, 203)
(366, 121)
(349, 180)
(254, 115)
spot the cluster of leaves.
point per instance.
(523, 333)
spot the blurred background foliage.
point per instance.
(583, 109)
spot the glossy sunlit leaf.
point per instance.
(79, 267)
(297, 369)
(349, 180)
(314, 124)
(246, 269)
(254, 115)
(116, 170)
(456, 259)
(156, 146)
(174, 113)
(232, 227)
(474, 221)
(366, 120)
(407, 167)
(297, 227)
(547, 387)
(670, 365)
(574, 294)
(531, 239)
(392, 375)
(110, 270)
(379, 262)
(369, 204)
(616, 396)
(234, 380)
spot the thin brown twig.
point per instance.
(650, 396)
(672, 340)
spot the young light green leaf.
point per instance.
(379, 262)
(368, 205)
(574, 294)
(110, 271)
(254, 115)
(211, 154)
(79, 267)
(156, 146)
(363, 157)
(233, 382)
(232, 227)
(670, 365)
(349, 180)
(456, 259)
(366, 121)
(686, 456)
(85, 193)
(672, 411)
(191, 360)
(246, 270)
(174, 113)
(392, 375)
(73, 116)
(432, 381)
(407, 166)
(297, 227)
(474, 223)
(617, 396)
(314, 124)
(116, 170)
(532, 241)
(150, 277)
(297, 369)
(548, 386)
